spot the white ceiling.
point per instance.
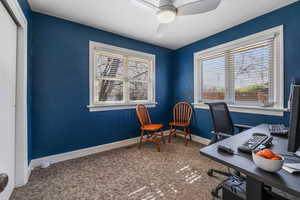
(123, 18)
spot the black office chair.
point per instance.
(223, 128)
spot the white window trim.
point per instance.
(278, 109)
(127, 52)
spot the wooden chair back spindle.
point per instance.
(143, 114)
(182, 112)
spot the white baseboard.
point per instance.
(200, 140)
(92, 150)
(195, 138)
(30, 168)
(80, 153)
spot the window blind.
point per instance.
(252, 71)
(242, 75)
(213, 77)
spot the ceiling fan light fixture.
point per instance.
(166, 15)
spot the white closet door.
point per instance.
(8, 49)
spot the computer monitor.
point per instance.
(294, 126)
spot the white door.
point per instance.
(8, 51)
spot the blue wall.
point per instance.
(27, 12)
(183, 69)
(58, 81)
(60, 88)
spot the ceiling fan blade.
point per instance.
(197, 7)
(161, 30)
(165, 2)
(144, 4)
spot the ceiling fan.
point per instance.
(166, 11)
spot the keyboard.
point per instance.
(257, 141)
(278, 130)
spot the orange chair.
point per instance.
(148, 128)
(182, 114)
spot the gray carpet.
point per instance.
(177, 172)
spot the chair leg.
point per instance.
(162, 136)
(170, 134)
(185, 134)
(141, 139)
(158, 144)
(215, 191)
(186, 140)
(189, 131)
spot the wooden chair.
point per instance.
(149, 130)
(182, 114)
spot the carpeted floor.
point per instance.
(177, 172)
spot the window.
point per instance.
(213, 78)
(246, 73)
(120, 78)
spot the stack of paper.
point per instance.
(291, 167)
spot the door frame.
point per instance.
(22, 170)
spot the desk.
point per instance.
(256, 177)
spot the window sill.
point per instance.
(249, 109)
(94, 108)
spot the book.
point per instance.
(291, 167)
